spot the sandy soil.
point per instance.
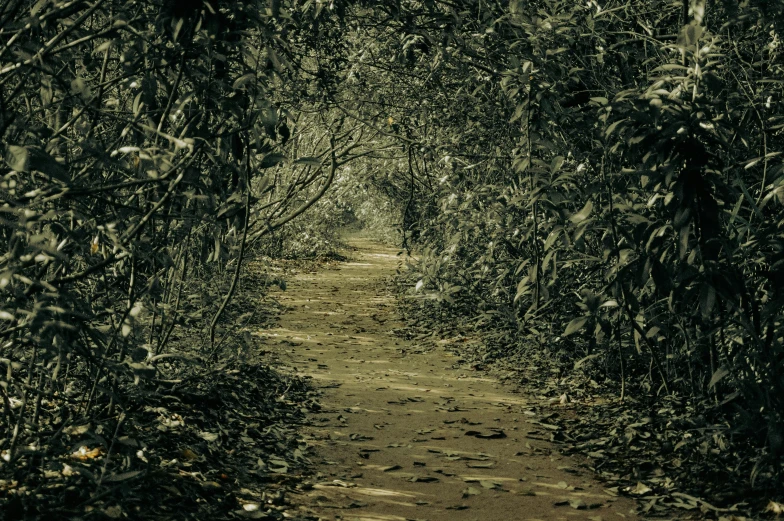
(404, 435)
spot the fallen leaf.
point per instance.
(211, 486)
(578, 504)
(471, 491)
(682, 505)
(84, 453)
(641, 489)
(488, 465)
(188, 454)
(423, 479)
(121, 477)
(77, 430)
(208, 436)
(340, 483)
(612, 491)
(490, 435)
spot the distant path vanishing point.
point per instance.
(403, 435)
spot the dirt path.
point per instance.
(405, 436)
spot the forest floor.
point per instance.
(405, 432)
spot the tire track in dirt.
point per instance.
(403, 435)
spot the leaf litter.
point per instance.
(658, 451)
(221, 443)
(208, 442)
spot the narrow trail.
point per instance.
(403, 435)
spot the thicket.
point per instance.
(603, 181)
(600, 179)
(147, 147)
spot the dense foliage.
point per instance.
(146, 147)
(602, 180)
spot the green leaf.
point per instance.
(612, 127)
(582, 214)
(720, 373)
(522, 288)
(267, 183)
(243, 80)
(80, 87)
(670, 67)
(575, 325)
(309, 161)
(748, 196)
(661, 278)
(552, 238)
(683, 234)
(582, 361)
(271, 160)
(27, 159)
(17, 158)
(690, 34)
(556, 164)
(707, 299)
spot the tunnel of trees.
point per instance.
(597, 184)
